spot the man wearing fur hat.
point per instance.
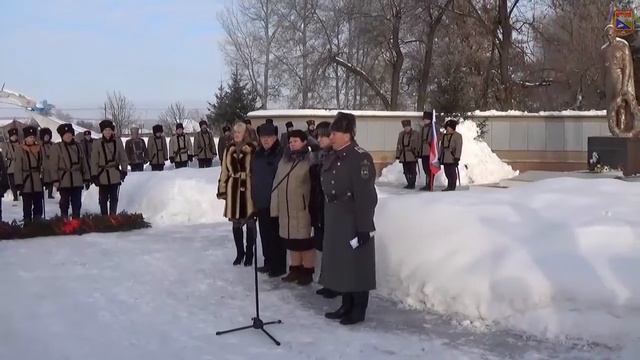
(406, 152)
(311, 129)
(70, 171)
(9, 149)
(108, 167)
(86, 143)
(204, 146)
(136, 150)
(284, 138)
(450, 152)
(28, 175)
(426, 136)
(348, 257)
(252, 132)
(157, 145)
(45, 147)
(225, 139)
(180, 148)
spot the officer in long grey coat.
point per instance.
(348, 261)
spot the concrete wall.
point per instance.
(545, 141)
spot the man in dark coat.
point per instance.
(263, 170)
(450, 152)
(348, 261)
(224, 140)
(406, 152)
(136, 150)
(426, 136)
(311, 129)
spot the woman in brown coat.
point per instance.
(290, 204)
(234, 187)
(70, 171)
(28, 175)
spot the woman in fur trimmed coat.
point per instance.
(234, 187)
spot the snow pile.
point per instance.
(183, 196)
(558, 258)
(563, 113)
(478, 164)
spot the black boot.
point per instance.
(251, 240)
(360, 303)
(237, 238)
(50, 192)
(344, 310)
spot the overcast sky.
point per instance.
(71, 52)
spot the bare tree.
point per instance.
(120, 110)
(175, 113)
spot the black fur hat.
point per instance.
(311, 122)
(157, 129)
(107, 124)
(324, 129)
(45, 131)
(64, 129)
(29, 131)
(179, 126)
(298, 134)
(247, 121)
(451, 124)
(12, 132)
(427, 115)
(267, 129)
(268, 121)
(406, 123)
(87, 132)
(288, 125)
(226, 128)
(344, 123)
(203, 123)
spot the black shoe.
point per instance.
(248, 260)
(410, 187)
(406, 186)
(357, 314)
(330, 294)
(238, 260)
(322, 291)
(425, 188)
(354, 317)
(264, 269)
(344, 310)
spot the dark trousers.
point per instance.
(205, 163)
(273, 250)
(108, 199)
(181, 164)
(32, 206)
(159, 167)
(70, 197)
(12, 185)
(238, 237)
(451, 172)
(410, 172)
(137, 167)
(426, 167)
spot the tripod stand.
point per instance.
(257, 324)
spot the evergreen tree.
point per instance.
(232, 103)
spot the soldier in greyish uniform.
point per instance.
(9, 150)
(407, 153)
(348, 261)
(450, 152)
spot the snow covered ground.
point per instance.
(540, 271)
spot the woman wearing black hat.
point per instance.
(450, 152)
(158, 152)
(28, 176)
(70, 171)
(45, 147)
(9, 149)
(204, 146)
(180, 148)
(108, 167)
(348, 254)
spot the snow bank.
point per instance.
(558, 258)
(183, 196)
(564, 113)
(478, 164)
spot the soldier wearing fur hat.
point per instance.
(426, 136)
(70, 171)
(235, 187)
(4, 182)
(136, 150)
(45, 147)
(158, 151)
(284, 138)
(407, 151)
(311, 129)
(28, 175)
(204, 146)
(253, 135)
(86, 143)
(180, 148)
(348, 257)
(108, 167)
(225, 139)
(9, 150)
(450, 152)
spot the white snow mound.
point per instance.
(478, 164)
(558, 258)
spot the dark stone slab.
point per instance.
(616, 153)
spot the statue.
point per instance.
(622, 107)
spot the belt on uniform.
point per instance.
(239, 176)
(332, 198)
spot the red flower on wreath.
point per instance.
(70, 226)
